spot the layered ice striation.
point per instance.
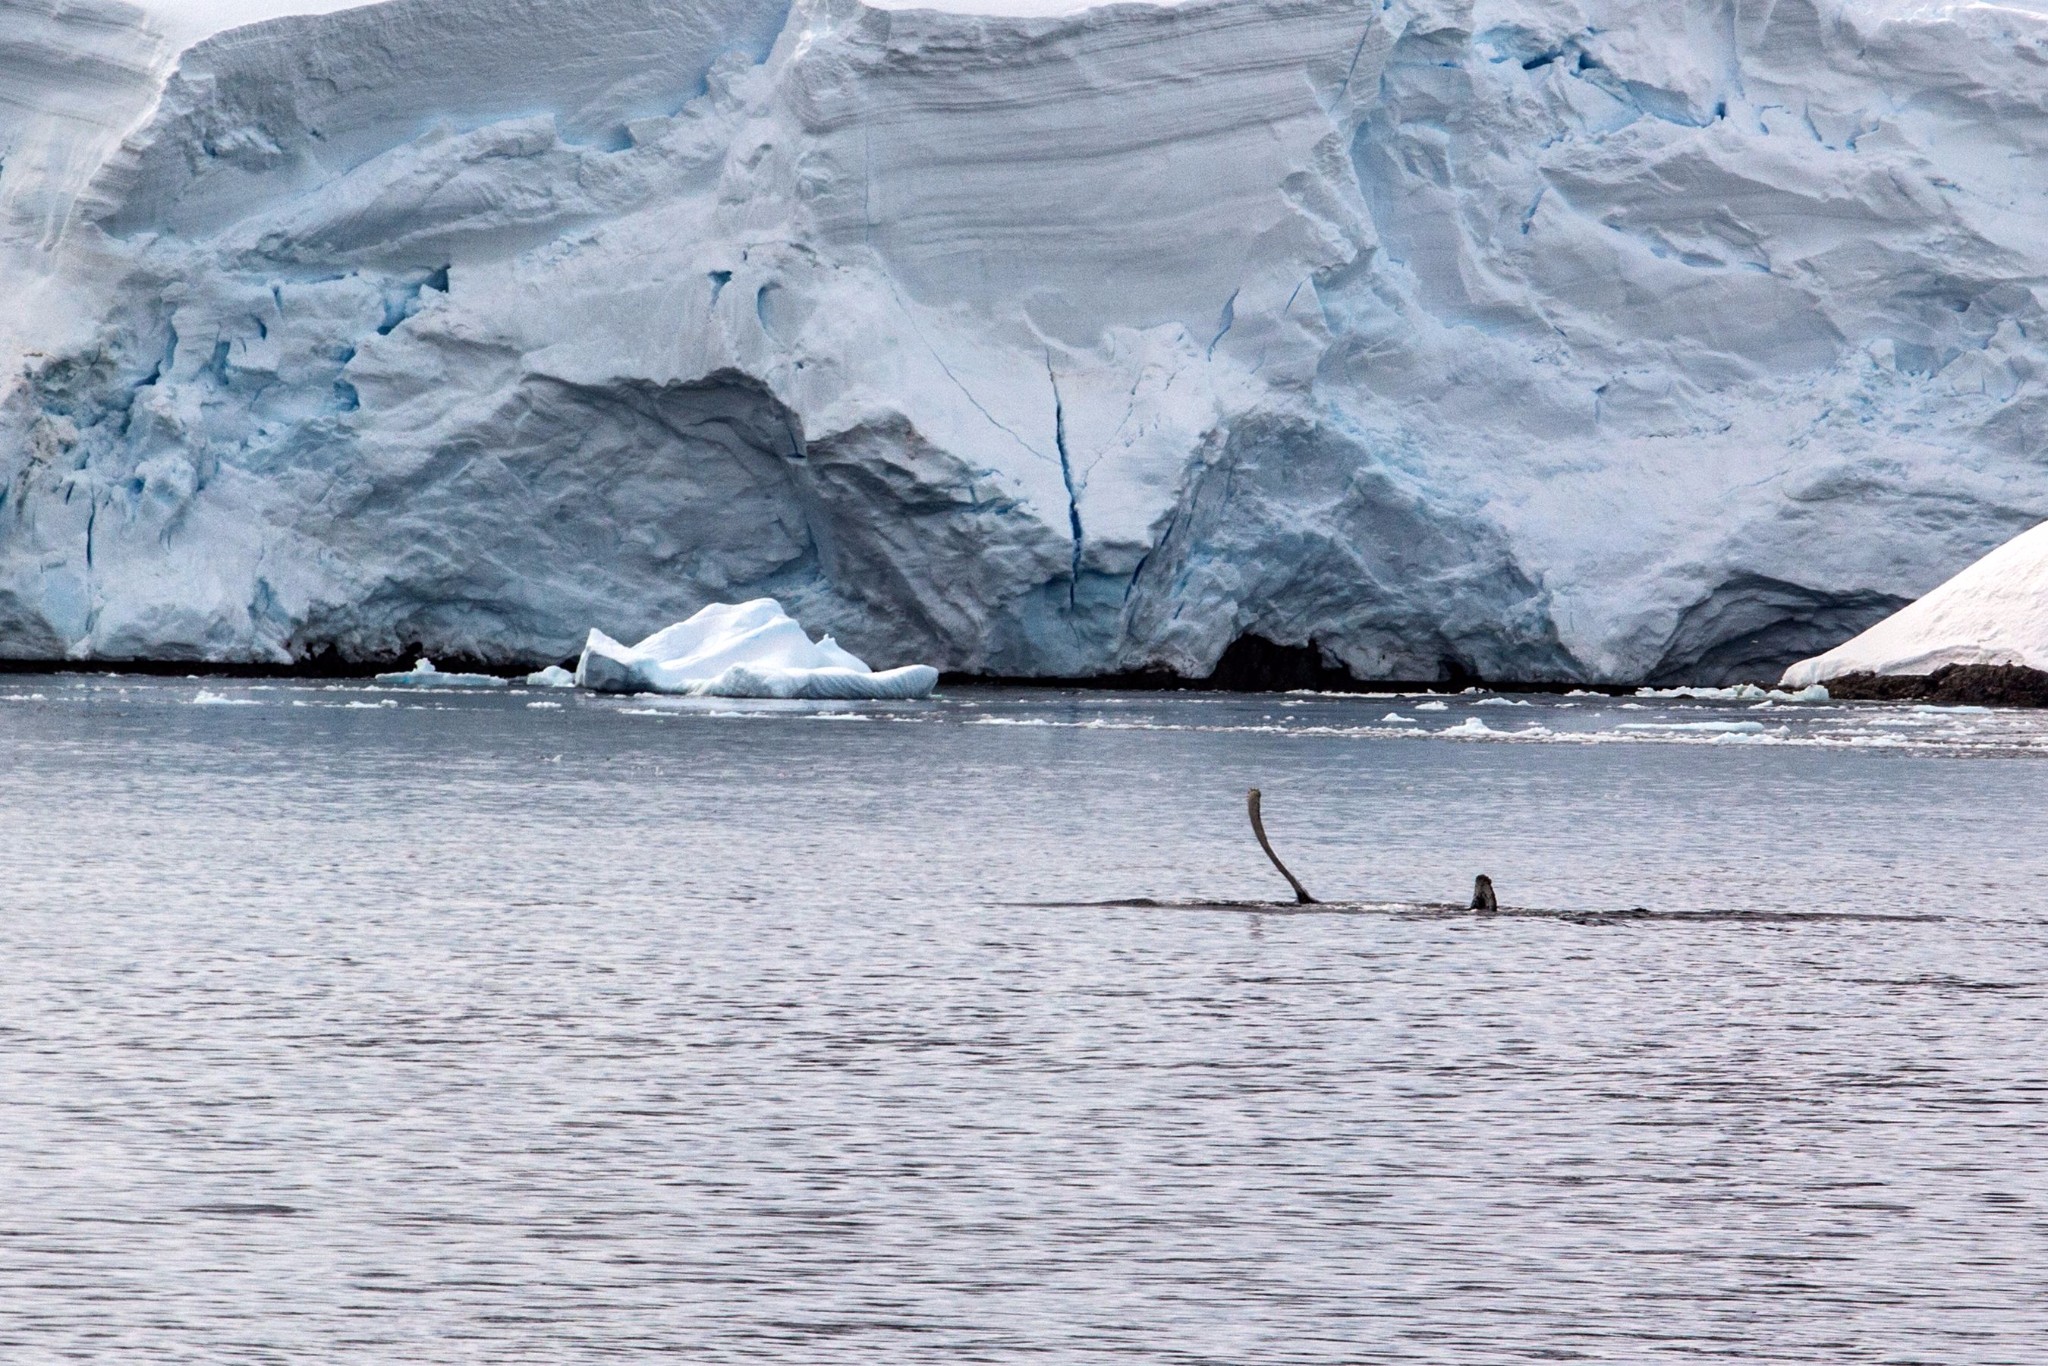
(1995, 612)
(1612, 340)
(749, 649)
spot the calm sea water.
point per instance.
(345, 1025)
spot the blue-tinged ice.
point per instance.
(1648, 343)
(425, 675)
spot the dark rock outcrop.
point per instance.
(1983, 685)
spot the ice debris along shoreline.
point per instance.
(749, 649)
(1994, 613)
(1741, 692)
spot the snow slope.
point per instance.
(1994, 612)
(1595, 339)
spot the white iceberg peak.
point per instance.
(749, 649)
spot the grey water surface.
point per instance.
(340, 1024)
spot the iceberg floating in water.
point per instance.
(1994, 612)
(425, 675)
(752, 649)
(204, 698)
(553, 676)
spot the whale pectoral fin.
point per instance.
(1301, 896)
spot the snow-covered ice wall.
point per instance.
(1596, 339)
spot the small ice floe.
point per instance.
(553, 676)
(1742, 692)
(425, 675)
(1432, 706)
(1718, 727)
(1471, 725)
(204, 698)
(1502, 702)
(544, 706)
(1399, 719)
(749, 649)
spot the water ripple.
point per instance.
(460, 1031)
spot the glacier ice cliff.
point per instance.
(1623, 340)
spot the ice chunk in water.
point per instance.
(749, 649)
(1741, 692)
(1725, 727)
(206, 698)
(425, 675)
